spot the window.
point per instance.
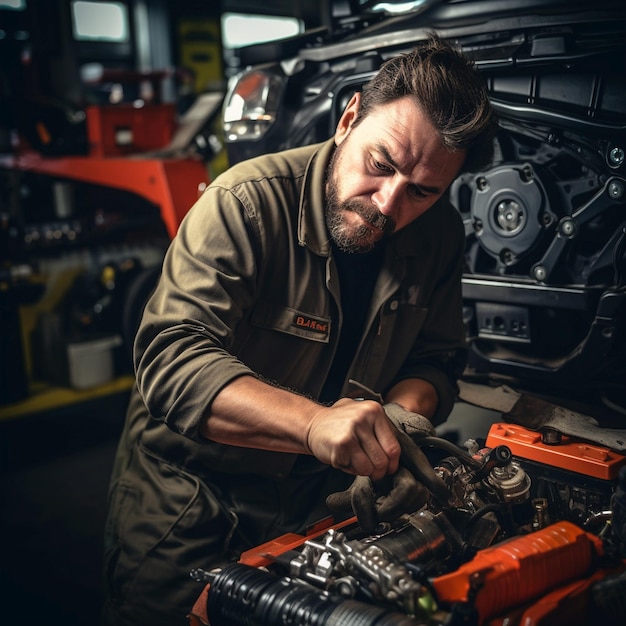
(13, 4)
(240, 29)
(100, 21)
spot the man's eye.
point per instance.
(381, 166)
(417, 192)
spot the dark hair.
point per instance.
(447, 88)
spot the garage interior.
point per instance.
(68, 319)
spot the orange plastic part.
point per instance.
(520, 570)
(574, 455)
(266, 553)
(171, 184)
(123, 129)
(567, 606)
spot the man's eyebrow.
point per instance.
(385, 152)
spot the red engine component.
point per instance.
(571, 454)
(521, 569)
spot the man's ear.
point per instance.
(347, 119)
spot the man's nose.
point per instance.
(386, 198)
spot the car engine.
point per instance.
(544, 283)
(546, 238)
(530, 530)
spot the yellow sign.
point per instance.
(201, 54)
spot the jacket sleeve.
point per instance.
(182, 357)
(439, 354)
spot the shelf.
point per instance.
(43, 397)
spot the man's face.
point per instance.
(386, 171)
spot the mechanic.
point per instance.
(293, 274)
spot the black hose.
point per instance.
(451, 448)
(241, 595)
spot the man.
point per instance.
(294, 273)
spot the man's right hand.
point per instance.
(355, 436)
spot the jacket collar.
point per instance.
(312, 231)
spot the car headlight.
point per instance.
(251, 105)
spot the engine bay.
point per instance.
(531, 529)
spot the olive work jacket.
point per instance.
(249, 286)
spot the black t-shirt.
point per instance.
(357, 275)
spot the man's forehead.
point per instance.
(407, 140)
(397, 125)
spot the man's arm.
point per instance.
(355, 436)
(415, 395)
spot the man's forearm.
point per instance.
(356, 437)
(253, 414)
(415, 394)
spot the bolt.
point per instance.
(568, 227)
(481, 183)
(507, 257)
(502, 454)
(509, 215)
(616, 156)
(551, 436)
(539, 272)
(616, 189)
(541, 512)
(527, 173)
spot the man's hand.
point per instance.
(373, 502)
(413, 424)
(355, 436)
(405, 490)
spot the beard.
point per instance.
(347, 237)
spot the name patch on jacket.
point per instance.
(313, 324)
(292, 321)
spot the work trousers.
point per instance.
(164, 522)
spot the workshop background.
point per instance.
(83, 227)
(110, 127)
